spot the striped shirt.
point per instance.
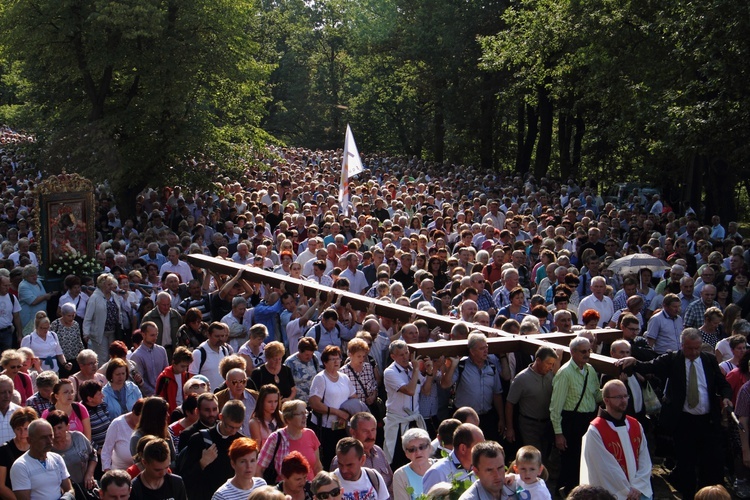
(228, 491)
(567, 387)
(99, 418)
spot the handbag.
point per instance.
(270, 475)
(651, 402)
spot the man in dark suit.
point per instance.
(696, 393)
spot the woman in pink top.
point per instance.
(294, 437)
(63, 396)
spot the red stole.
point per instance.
(612, 440)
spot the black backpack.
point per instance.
(223, 349)
(181, 460)
(319, 331)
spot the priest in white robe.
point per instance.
(615, 453)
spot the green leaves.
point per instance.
(128, 90)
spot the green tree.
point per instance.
(139, 92)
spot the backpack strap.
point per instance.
(374, 481)
(318, 333)
(161, 386)
(203, 359)
(77, 410)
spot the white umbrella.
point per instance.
(637, 261)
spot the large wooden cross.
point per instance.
(498, 341)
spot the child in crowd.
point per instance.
(527, 482)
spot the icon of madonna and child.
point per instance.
(67, 229)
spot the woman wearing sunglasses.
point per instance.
(326, 486)
(418, 450)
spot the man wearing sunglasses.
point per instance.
(357, 481)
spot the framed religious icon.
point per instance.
(66, 220)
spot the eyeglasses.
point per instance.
(324, 495)
(421, 447)
(624, 396)
(238, 382)
(301, 413)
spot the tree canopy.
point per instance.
(650, 90)
(138, 92)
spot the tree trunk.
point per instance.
(719, 184)
(563, 142)
(544, 146)
(438, 146)
(532, 130)
(486, 122)
(580, 127)
(694, 189)
(521, 166)
(126, 197)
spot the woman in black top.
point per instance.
(275, 373)
(16, 447)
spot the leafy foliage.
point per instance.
(128, 91)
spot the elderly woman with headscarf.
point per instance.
(102, 316)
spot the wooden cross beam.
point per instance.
(499, 342)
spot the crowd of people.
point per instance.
(156, 379)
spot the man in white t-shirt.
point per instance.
(357, 280)
(177, 266)
(358, 482)
(39, 473)
(10, 315)
(597, 301)
(208, 355)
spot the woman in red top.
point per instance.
(12, 362)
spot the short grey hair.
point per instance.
(415, 434)
(690, 334)
(29, 270)
(163, 296)
(397, 344)
(741, 327)
(560, 313)
(86, 355)
(68, 308)
(47, 378)
(238, 300)
(578, 341)
(474, 339)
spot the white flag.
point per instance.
(351, 165)
(351, 156)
